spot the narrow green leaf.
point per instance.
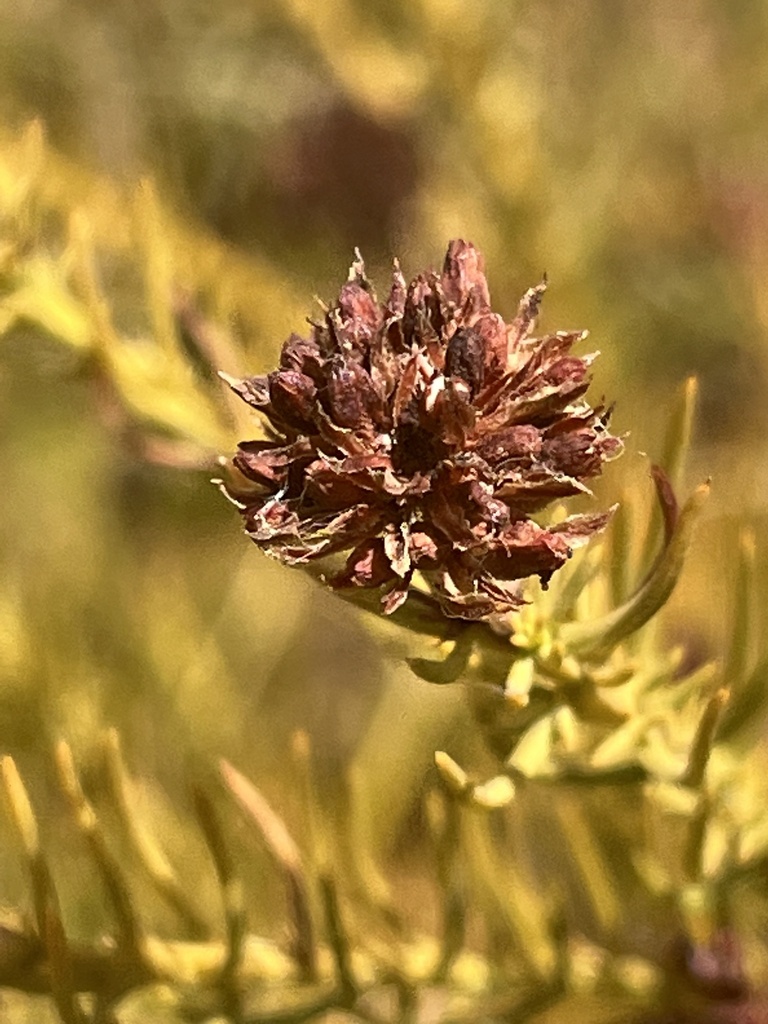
(233, 899)
(677, 442)
(702, 744)
(618, 550)
(678, 438)
(747, 705)
(49, 924)
(131, 932)
(283, 848)
(742, 620)
(595, 639)
(150, 856)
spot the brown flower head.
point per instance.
(421, 434)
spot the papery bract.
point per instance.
(422, 434)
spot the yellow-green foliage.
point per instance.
(599, 791)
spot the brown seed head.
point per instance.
(421, 434)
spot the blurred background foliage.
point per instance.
(231, 156)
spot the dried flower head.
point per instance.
(423, 433)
